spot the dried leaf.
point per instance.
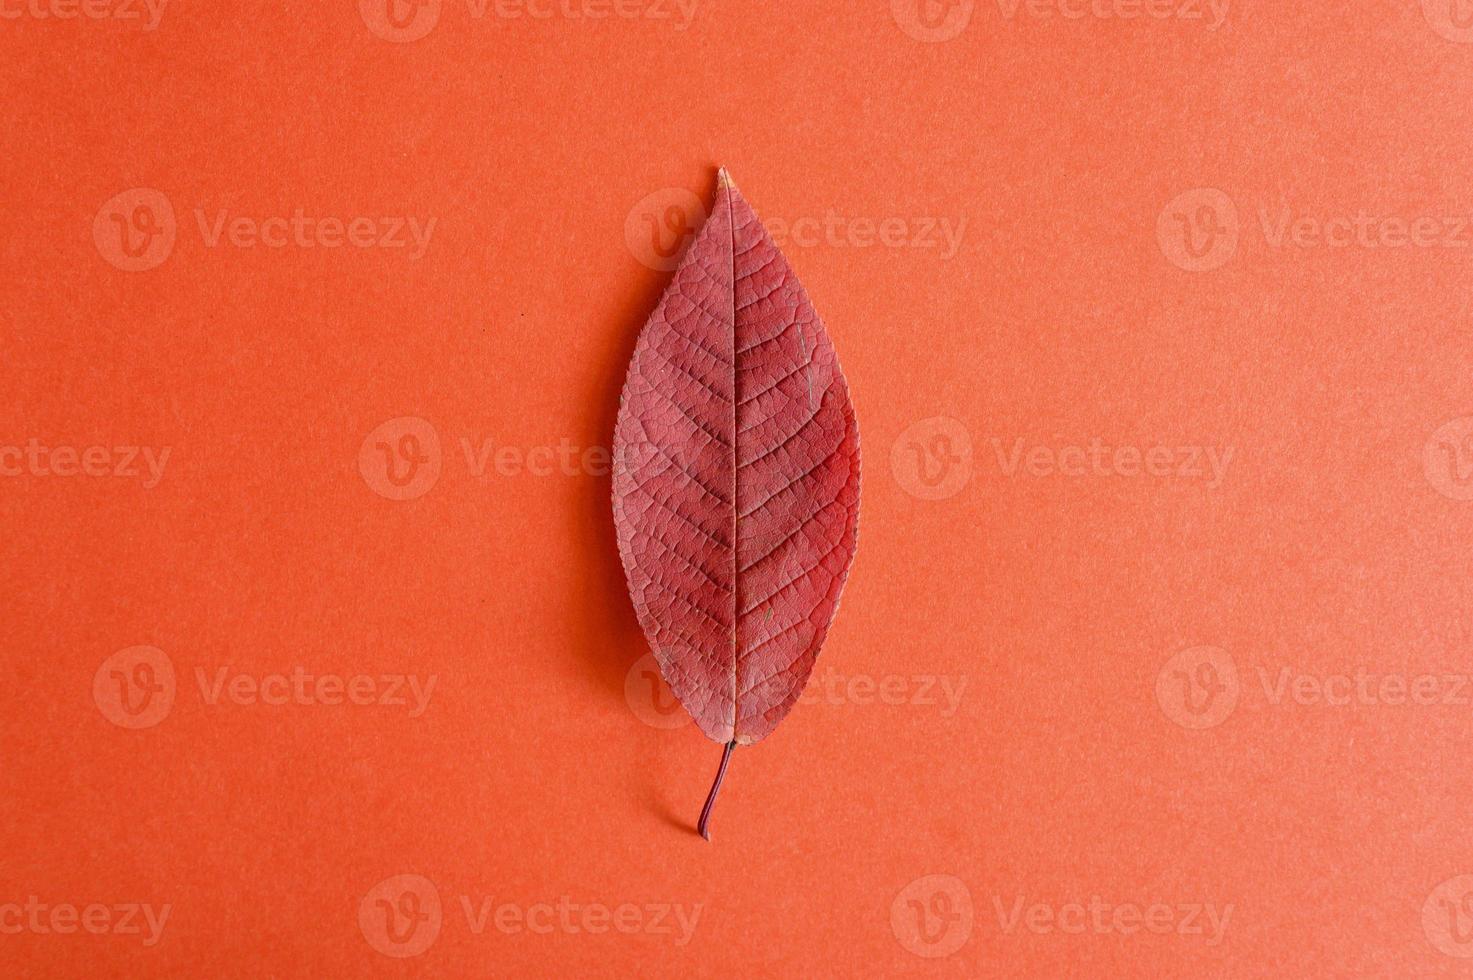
(736, 480)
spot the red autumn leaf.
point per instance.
(736, 480)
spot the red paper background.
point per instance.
(1119, 184)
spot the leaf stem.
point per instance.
(715, 788)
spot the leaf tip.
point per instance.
(723, 178)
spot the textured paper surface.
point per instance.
(1070, 665)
